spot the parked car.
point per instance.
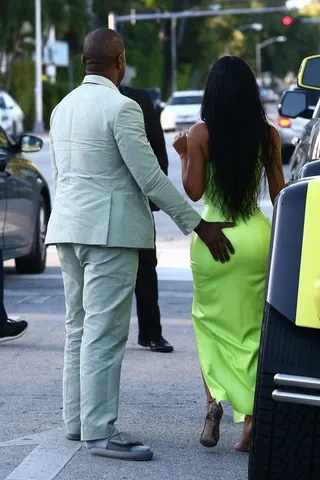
(182, 110)
(285, 441)
(268, 95)
(25, 204)
(291, 129)
(308, 143)
(11, 115)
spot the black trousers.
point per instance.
(3, 315)
(147, 297)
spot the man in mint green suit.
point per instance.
(104, 173)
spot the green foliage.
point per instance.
(22, 88)
(52, 95)
(200, 43)
(147, 59)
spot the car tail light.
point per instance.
(284, 122)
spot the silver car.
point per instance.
(290, 129)
(11, 115)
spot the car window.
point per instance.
(2, 103)
(4, 144)
(313, 96)
(187, 100)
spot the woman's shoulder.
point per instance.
(274, 132)
(199, 131)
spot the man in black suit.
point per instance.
(150, 330)
(9, 329)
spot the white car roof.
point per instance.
(188, 93)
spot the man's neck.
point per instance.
(107, 75)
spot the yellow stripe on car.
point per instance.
(308, 302)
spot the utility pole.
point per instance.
(39, 125)
(174, 54)
(112, 21)
(261, 45)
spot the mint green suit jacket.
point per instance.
(104, 171)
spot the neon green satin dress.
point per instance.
(228, 308)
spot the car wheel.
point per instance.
(286, 436)
(35, 262)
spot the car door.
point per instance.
(22, 198)
(314, 152)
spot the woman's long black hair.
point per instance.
(239, 136)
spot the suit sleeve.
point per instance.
(52, 154)
(130, 135)
(155, 134)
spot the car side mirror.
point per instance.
(30, 144)
(293, 104)
(309, 73)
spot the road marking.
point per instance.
(50, 456)
(30, 296)
(167, 273)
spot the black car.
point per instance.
(25, 204)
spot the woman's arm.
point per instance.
(191, 149)
(274, 171)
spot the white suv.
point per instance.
(182, 110)
(11, 115)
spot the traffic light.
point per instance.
(287, 20)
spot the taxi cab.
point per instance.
(286, 420)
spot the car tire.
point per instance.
(35, 262)
(286, 436)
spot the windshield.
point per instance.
(186, 100)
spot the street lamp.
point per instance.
(261, 45)
(38, 125)
(251, 26)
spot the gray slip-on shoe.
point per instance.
(75, 437)
(123, 447)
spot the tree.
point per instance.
(17, 28)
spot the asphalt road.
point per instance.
(162, 398)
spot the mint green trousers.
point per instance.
(99, 284)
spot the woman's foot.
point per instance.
(245, 442)
(211, 430)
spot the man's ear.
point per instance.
(120, 61)
(83, 60)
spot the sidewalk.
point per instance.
(162, 399)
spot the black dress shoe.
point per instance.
(161, 345)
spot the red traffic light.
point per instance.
(287, 20)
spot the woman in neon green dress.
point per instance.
(224, 159)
